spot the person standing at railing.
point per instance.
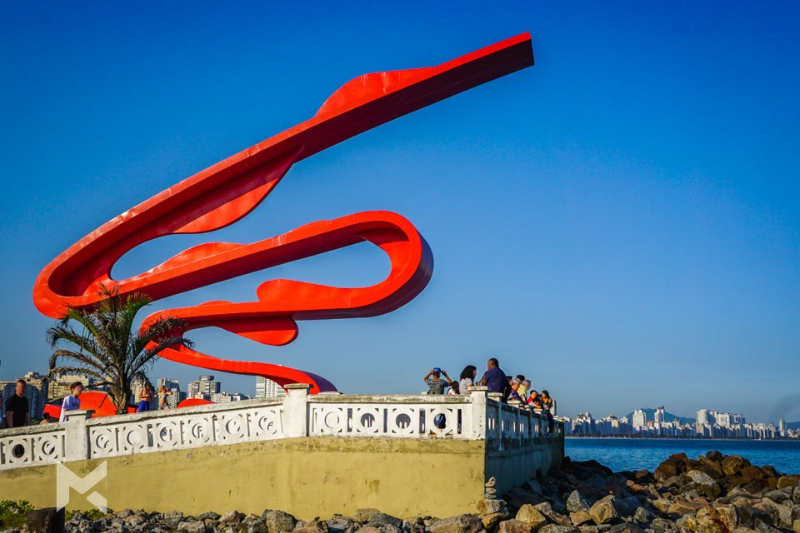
(527, 385)
(71, 402)
(437, 381)
(522, 390)
(494, 379)
(467, 379)
(162, 397)
(513, 395)
(549, 405)
(18, 413)
(454, 389)
(507, 390)
(145, 395)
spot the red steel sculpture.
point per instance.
(230, 189)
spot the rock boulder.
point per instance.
(465, 523)
(604, 511)
(555, 528)
(531, 516)
(719, 519)
(788, 481)
(279, 522)
(733, 464)
(382, 519)
(576, 502)
(514, 526)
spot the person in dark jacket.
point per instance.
(17, 411)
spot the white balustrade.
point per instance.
(392, 416)
(34, 446)
(477, 416)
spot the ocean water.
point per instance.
(635, 454)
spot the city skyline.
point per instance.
(617, 222)
(208, 388)
(706, 424)
(41, 390)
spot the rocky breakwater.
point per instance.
(710, 494)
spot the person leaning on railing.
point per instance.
(549, 405)
(494, 379)
(535, 400)
(513, 395)
(467, 378)
(523, 387)
(72, 402)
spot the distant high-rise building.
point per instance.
(704, 417)
(660, 416)
(204, 387)
(781, 425)
(266, 388)
(60, 385)
(225, 397)
(639, 418)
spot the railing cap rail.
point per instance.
(195, 409)
(32, 430)
(391, 399)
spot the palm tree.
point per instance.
(108, 348)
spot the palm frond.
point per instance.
(110, 349)
(84, 359)
(64, 370)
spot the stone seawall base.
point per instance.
(307, 477)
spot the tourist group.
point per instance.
(511, 388)
(18, 410)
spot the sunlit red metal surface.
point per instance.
(96, 401)
(230, 189)
(192, 402)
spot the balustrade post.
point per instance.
(531, 418)
(295, 410)
(76, 435)
(517, 405)
(478, 395)
(498, 398)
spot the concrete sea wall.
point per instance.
(188, 461)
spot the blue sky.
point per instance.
(620, 222)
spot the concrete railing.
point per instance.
(477, 416)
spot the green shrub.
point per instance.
(13, 515)
(91, 514)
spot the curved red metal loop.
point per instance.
(230, 189)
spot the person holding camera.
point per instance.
(437, 381)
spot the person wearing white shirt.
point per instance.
(71, 402)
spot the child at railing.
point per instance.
(535, 401)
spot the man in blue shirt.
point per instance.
(494, 378)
